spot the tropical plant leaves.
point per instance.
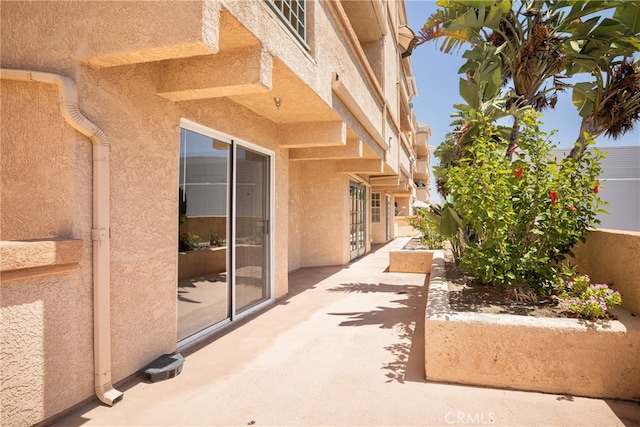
(629, 14)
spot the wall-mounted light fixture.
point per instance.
(277, 102)
(407, 40)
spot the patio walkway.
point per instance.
(344, 348)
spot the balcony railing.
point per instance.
(422, 194)
(421, 169)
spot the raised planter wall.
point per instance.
(402, 227)
(612, 256)
(562, 356)
(202, 262)
(409, 261)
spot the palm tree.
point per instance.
(611, 107)
(611, 103)
(538, 44)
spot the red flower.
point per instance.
(596, 188)
(519, 172)
(514, 148)
(554, 196)
(572, 208)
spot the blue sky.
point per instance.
(437, 77)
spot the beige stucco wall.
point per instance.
(402, 227)
(28, 188)
(319, 205)
(611, 256)
(119, 55)
(143, 130)
(46, 339)
(378, 229)
(104, 32)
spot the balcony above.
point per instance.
(422, 194)
(422, 140)
(421, 169)
(361, 14)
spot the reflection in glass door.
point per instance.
(357, 195)
(251, 229)
(203, 282)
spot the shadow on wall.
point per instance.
(37, 324)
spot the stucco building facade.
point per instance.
(165, 165)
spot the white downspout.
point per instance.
(100, 232)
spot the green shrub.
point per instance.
(189, 242)
(425, 222)
(525, 213)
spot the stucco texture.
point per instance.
(105, 33)
(321, 235)
(46, 338)
(37, 158)
(576, 360)
(553, 355)
(613, 257)
(122, 56)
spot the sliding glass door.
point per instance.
(203, 259)
(251, 229)
(224, 219)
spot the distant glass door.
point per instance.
(357, 235)
(388, 218)
(224, 261)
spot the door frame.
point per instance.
(234, 143)
(388, 217)
(359, 251)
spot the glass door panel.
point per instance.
(389, 220)
(251, 221)
(357, 194)
(203, 282)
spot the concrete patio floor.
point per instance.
(346, 347)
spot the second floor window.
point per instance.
(293, 14)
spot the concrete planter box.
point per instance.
(410, 261)
(202, 262)
(562, 356)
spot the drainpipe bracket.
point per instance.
(99, 234)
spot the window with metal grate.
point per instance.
(293, 14)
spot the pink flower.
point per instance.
(554, 196)
(596, 188)
(572, 208)
(519, 172)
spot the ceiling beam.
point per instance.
(239, 72)
(352, 150)
(312, 134)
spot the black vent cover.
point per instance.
(164, 367)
